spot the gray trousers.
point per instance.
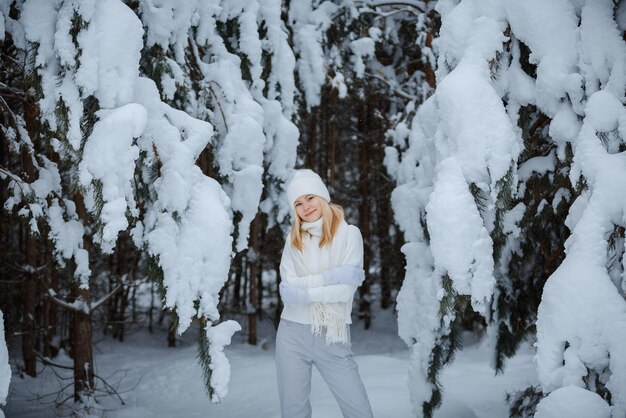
(297, 349)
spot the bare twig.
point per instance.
(394, 89)
(48, 362)
(28, 269)
(103, 299)
(111, 390)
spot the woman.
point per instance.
(320, 269)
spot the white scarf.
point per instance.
(331, 316)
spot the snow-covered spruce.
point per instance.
(117, 132)
(461, 136)
(580, 60)
(255, 141)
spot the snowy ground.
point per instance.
(158, 382)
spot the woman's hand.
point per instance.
(344, 275)
(294, 295)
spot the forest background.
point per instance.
(146, 145)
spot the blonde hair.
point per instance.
(330, 211)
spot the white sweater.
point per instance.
(318, 260)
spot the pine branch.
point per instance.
(205, 358)
(523, 404)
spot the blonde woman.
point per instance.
(320, 269)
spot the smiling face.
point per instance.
(308, 207)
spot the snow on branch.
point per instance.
(79, 305)
(418, 5)
(468, 137)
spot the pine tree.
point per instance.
(530, 205)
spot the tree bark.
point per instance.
(49, 316)
(150, 328)
(312, 151)
(364, 210)
(332, 138)
(29, 296)
(383, 224)
(237, 264)
(254, 265)
(30, 283)
(171, 333)
(82, 347)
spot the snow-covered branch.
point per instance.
(420, 6)
(394, 88)
(81, 306)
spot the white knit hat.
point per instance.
(306, 181)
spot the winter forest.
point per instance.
(478, 145)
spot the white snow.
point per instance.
(5, 368)
(1, 26)
(109, 157)
(463, 136)
(549, 30)
(249, 127)
(111, 47)
(49, 179)
(580, 305)
(362, 48)
(134, 126)
(160, 382)
(309, 26)
(581, 322)
(538, 165)
(604, 111)
(573, 402)
(459, 242)
(220, 336)
(67, 237)
(283, 59)
(564, 127)
(198, 202)
(418, 298)
(580, 60)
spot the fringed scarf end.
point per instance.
(336, 328)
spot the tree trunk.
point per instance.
(364, 210)
(171, 333)
(311, 153)
(237, 264)
(49, 317)
(150, 329)
(82, 347)
(29, 296)
(332, 138)
(279, 301)
(259, 263)
(253, 261)
(30, 282)
(322, 153)
(384, 216)
(383, 224)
